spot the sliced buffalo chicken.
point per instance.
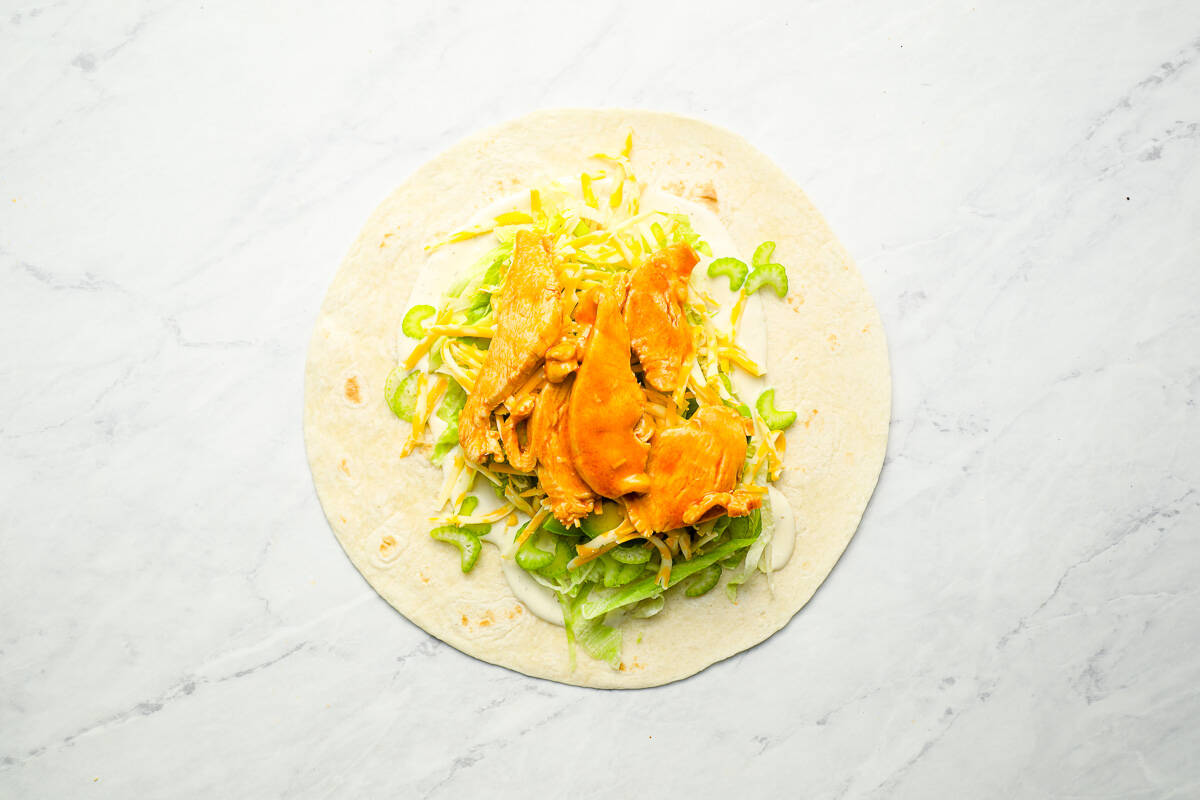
(658, 329)
(567, 496)
(605, 426)
(693, 469)
(528, 322)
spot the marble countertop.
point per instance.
(1018, 615)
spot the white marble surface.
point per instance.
(1018, 615)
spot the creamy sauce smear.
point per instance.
(447, 263)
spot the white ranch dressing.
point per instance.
(783, 536)
(540, 600)
(446, 264)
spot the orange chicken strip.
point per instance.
(567, 496)
(658, 329)
(693, 468)
(528, 321)
(606, 405)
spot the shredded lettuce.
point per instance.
(750, 563)
(648, 607)
(681, 231)
(603, 603)
(736, 403)
(452, 405)
(601, 642)
(485, 272)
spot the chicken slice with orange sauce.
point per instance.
(606, 407)
(567, 496)
(693, 469)
(528, 322)
(658, 329)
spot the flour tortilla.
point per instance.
(827, 358)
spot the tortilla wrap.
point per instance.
(827, 358)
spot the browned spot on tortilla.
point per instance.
(465, 621)
(706, 192)
(833, 341)
(424, 578)
(866, 328)
(515, 612)
(386, 545)
(352, 393)
(483, 623)
(810, 418)
(621, 666)
(344, 467)
(343, 519)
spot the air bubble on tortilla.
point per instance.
(346, 470)
(387, 542)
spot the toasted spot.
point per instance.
(483, 623)
(344, 467)
(833, 341)
(465, 621)
(387, 546)
(352, 392)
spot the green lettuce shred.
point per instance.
(601, 642)
(452, 405)
(753, 525)
(648, 587)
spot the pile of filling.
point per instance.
(586, 371)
